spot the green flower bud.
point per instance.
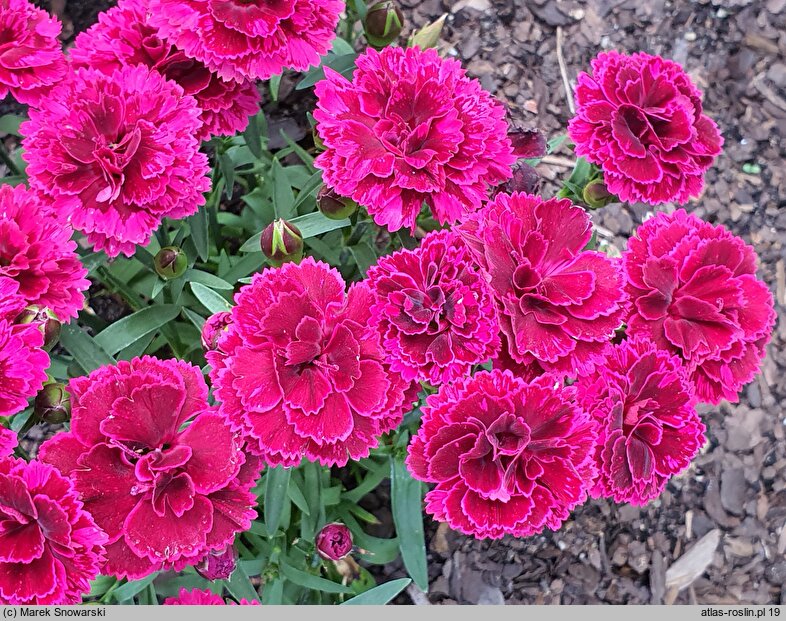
(383, 24)
(596, 194)
(47, 322)
(282, 242)
(333, 205)
(171, 262)
(53, 403)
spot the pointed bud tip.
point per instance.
(383, 24)
(171, 262)
(282, 242)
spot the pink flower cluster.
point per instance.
(411, 128)
(50, 546)
(124, 36)
(31, 59)
(116, 153)
(648, 426)
(241, 40)
(36, 250)
(558, 304)
(433, 310)
(165, 495)
(640, 119)
(694, 292)
(507, 456)
(597, 362)
(300, 373)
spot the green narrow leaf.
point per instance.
(211, 300)
(553, 144)
(406, 499)
(379, 595)
(253, 135)
(297, 497)
(376, 550)
(361, 8)
(209, 280)
(276, 494)
(245, 266)
(194, 318)
(240, 586)
(283, 199)
(227, 167)
(130, 329)
(101, 585)
(9, 124)
(304, 155)
(136, 349)
(129, 589)
(309, 189)
(199, 232)
(343, 64)
(275, 85)
(311, 581)
(364, 256)
(93, 260)
(273, 592)
(88, 354)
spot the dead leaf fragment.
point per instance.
(686, 569)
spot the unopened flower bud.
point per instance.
(596, 194)
(171, 262)
(282, 242)
(334, 541)
(47, 323)
(214, 328)
(383, 24)
(53, 403)
(334, 206)
(218, 565)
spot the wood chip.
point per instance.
(686, 569)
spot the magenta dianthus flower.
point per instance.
(202, 597)
(31, 57)
(116, 154)
(165, 495)
(36, 250)
(508, 457)
(23, 363)
(648, 427)
(433, 310)
(50, 546)
(640, 119)
(411, 128)
(241, 40)
(694, 293)
(557, 303)
(124, 36)
(301, 374)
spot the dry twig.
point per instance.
(564, 72)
